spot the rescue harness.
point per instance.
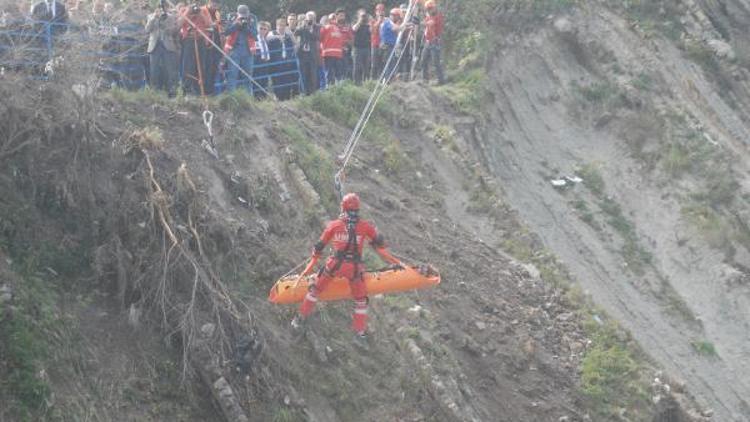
(351, 252)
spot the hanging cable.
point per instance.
(221, 51)
(377, 93)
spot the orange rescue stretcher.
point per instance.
(291, 289)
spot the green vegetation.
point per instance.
(690, 153)
(468, 91)
(549, 268)
(371, 260)
(314, 162)
(592, 178)
(287, 414)
(700, 53)
(139, 97)
(236, 101)
(651, 16)
(611, 376)
(484, 200)
(446, 137)
(467, 40)
(705, 348)
(394, 158)
(635, 255)
(709, 224)
(644, 82)
(603, 94)
(585, 214)
(343, 103)
(25, 345)
(400, 301)
(675, 304)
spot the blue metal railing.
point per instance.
(121, 57)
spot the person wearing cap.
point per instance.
(240, 47)
(376, 59)
(433, 32)
(388, 37)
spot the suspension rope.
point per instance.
(377, 93)
(221, 51)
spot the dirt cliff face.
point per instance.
(649, 106)
(640, 116)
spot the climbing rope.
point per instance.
(208, 116)
(221, 51)
(372, 101)
(369, 109)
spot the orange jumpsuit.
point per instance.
(347, 238)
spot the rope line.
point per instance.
(377, 93)
(221, 51)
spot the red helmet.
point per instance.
(350, 202)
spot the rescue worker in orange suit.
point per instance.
(347, 236)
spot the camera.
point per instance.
(194, 9)
(243, 23)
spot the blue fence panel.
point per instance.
(120, 56)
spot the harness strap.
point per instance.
(352, 250)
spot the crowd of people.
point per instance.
(196, 47)
(294, 53)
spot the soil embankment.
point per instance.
(656, 127)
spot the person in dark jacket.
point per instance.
(163, 48)
(308, 33)
(213, 56)
(50, 14)
(196, 30)
(283, 75)
(362, 42)
(262, 62)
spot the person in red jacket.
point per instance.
(433, 32)
(196, 30)
(332, 41)
(347, 236)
